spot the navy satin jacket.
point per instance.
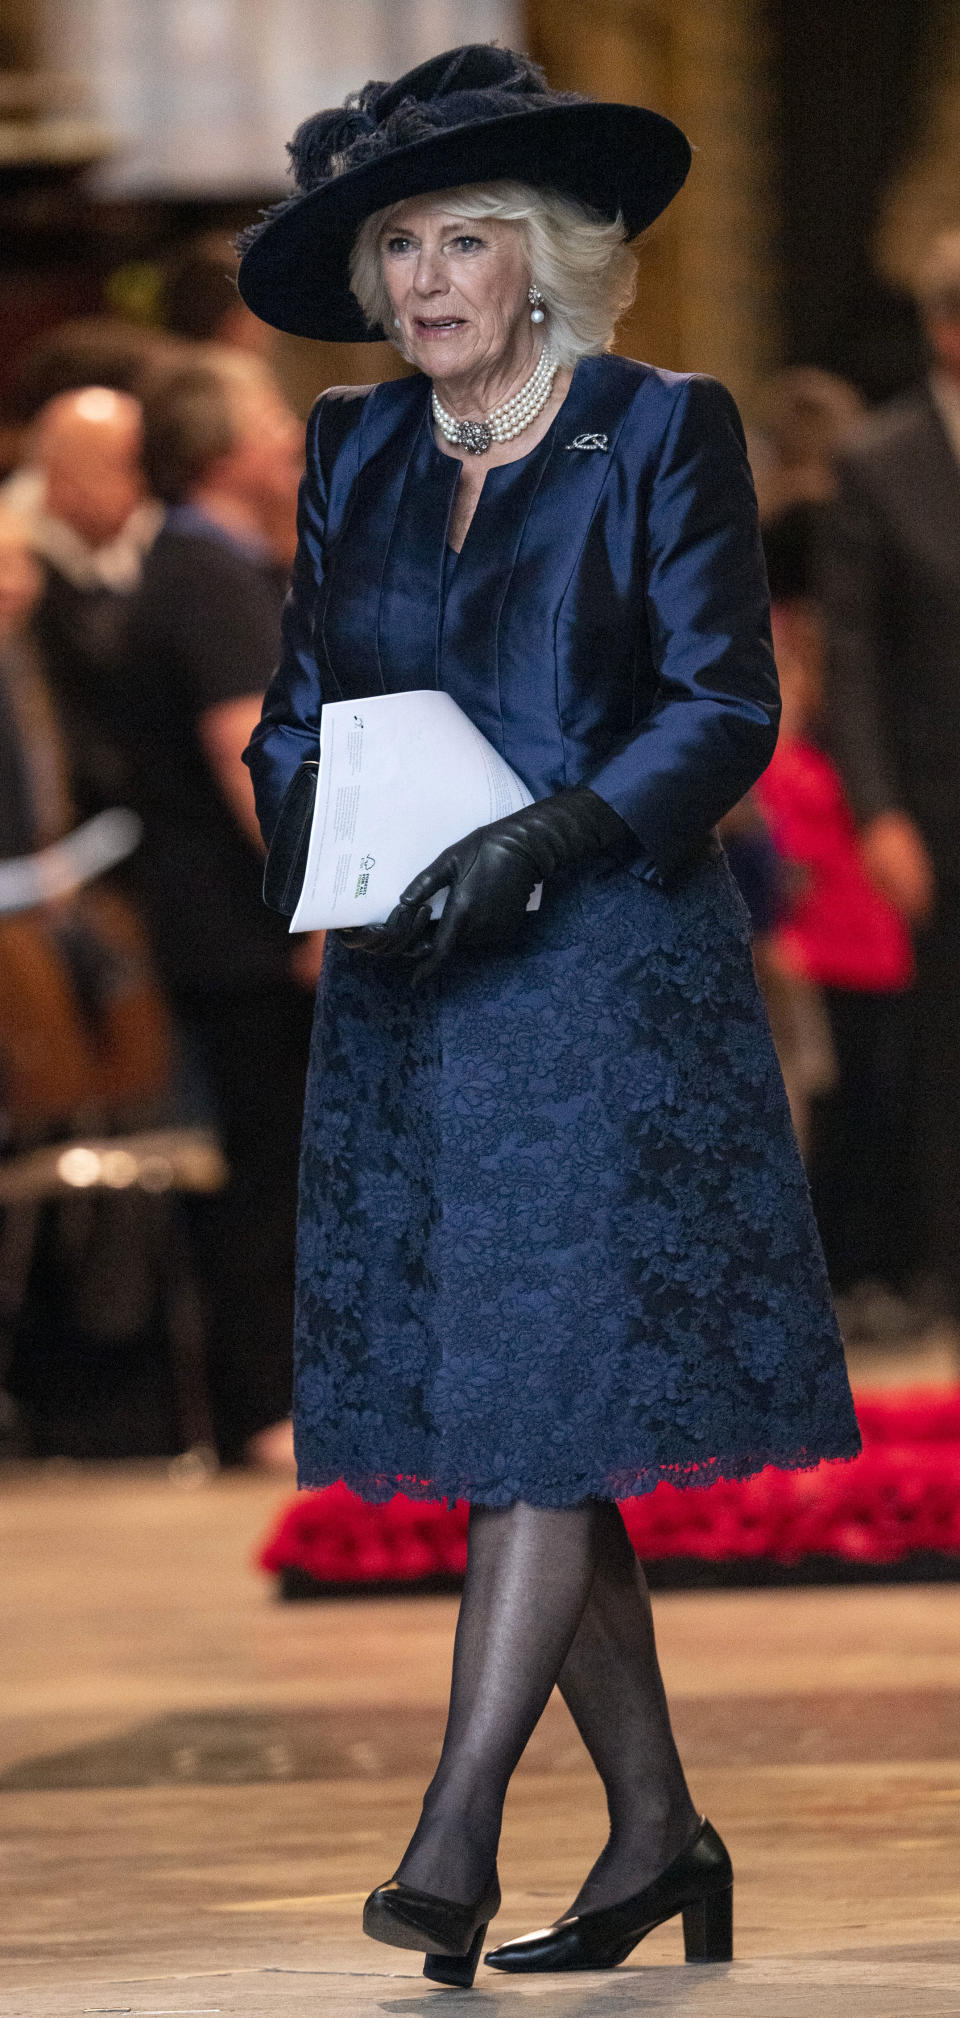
(606, 623)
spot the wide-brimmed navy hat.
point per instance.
(476, 114)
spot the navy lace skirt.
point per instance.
(555, 1235)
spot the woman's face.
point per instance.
(459, 290)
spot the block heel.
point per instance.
(708, 1928)
(457, 1970)
(698, 1885)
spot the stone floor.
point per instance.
(199, 1785)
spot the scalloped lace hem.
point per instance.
(619, 1484)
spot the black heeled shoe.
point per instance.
(452, 1934)
(698, 1884)
(457, 1970)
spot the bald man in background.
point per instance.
(87, 448)
(90, 527)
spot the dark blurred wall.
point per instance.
(850, 79)
(706, 298)
(18, 42)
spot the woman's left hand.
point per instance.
(489, 880)
(491, 874)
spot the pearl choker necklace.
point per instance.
(476, 436)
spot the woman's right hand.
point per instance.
(405, 934)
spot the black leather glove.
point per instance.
(406, 933)
(492, 872)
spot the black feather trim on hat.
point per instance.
(475, 66)
(319, 142)
(479, 82)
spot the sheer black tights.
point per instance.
(552, 1595)
(612, 1686)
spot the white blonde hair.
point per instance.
(581, 263)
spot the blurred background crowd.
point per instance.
(154, 1018)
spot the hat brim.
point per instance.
(622, 160)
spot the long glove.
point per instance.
(492, 873)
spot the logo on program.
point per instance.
(366, 864)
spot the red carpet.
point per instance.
(894, 1511)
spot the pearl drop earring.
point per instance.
(535, 299)
(396, 322)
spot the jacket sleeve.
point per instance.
(713, 724)
(855, 576)
(289, 726)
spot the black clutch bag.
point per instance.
(286, 862)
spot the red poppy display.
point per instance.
(898, 1500)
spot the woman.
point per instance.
(555, 1239)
